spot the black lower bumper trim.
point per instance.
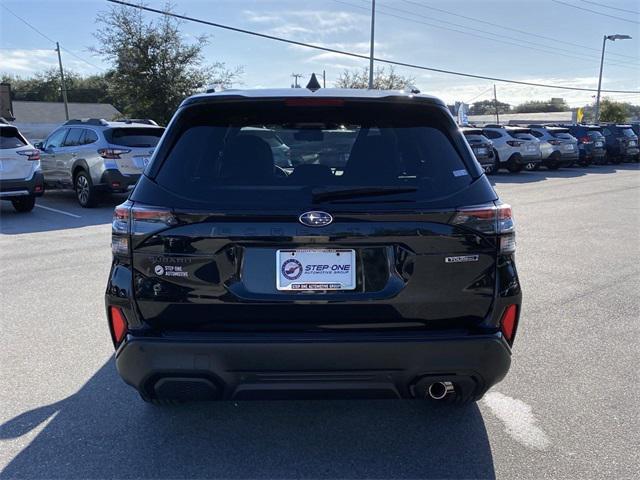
(115, 181)
(284, 368)
(34, 186)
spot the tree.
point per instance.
(488, 107)
(611, 111)
(153, 68)
(382, 79)
(535, 106)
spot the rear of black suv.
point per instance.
(390, 275)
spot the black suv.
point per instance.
(621, 142)
(389, 275)
(591, 143)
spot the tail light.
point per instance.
(118, 324)
(515, 143)
(112, 153)
(555, 142)
(585, 139)
(509, 323)
(131, 220)
(490, 219)
(33, 155)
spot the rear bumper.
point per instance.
(114, 181)
(284, 366)
(21, 187)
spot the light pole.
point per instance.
(613, 38)
(373, 26)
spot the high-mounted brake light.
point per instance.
(314, 102)
(490, 219)
(112, 153)
(509, 323)
(33, 155)
(118, 324)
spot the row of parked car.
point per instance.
(552, 146)
(94, 156)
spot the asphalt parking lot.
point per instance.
(568, 409)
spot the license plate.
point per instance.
(568, 147)
(481, 151)
(531, 148)
(632, 143)
(314, 269)
(598, 144)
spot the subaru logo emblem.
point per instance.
(315, 219)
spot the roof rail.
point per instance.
(493, 125)
(100, 122)
(145, 121)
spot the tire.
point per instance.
(85, 192)
(493, 168)
(553, 163)
(24, 204)
(513, 166)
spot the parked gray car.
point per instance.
(94, 155)
(559, 148)
(482, 148)
(513, 153)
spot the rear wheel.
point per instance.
(85, 192)
(513, 166)
(24, 204)
(553, 163)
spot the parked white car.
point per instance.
(513, 153)
(21, 179)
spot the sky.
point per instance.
(543, 41)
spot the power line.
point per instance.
(596, 12)
(356, 55)
(524, 32)
(47, 37)
(608, 6)
(479, 95)
(465, 32)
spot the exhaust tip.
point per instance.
(440, 390)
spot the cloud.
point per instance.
(27, 62)
(305, 25)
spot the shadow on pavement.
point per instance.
(44, 216)
(544, 174)
(105, 431)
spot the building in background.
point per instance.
(37, 119)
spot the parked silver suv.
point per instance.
(94, 155)
(559, 147)
(513, 152)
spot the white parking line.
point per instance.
(518, 420)
(59, 211)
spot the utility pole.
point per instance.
(373, 26)
(495, 101)
(296, 76)
(64, 86)
(324, 79)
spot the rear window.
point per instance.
(595, 134)
(627, 132)
(11, 138)
(134, 137)
(412, 152)
(563, 135)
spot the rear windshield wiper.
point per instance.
(323, 195)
